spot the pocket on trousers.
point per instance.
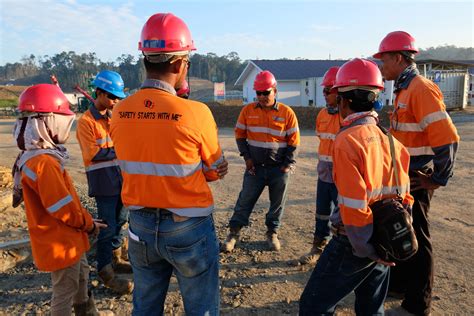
(137, 250)
(352, 264)
(192, 260)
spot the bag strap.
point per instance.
(394, 161)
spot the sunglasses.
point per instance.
(265, 93)
(327, 91)
(112, 97)
(187, 61)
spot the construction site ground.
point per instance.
(255, 281)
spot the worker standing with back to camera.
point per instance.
(168, 150)
(363, 174)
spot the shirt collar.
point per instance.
(96, 114)
(274, 107)
(358, 118)
(158, 84)
(404, 79)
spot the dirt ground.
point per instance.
(255, 281)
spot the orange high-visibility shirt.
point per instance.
(268, 135)
(102, 171)
(363, 175)
(57, 222)
(327, 127)
(167, 148)
(420, 122)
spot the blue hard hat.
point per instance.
(111, 82)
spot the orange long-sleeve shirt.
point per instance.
(363, 174)
(327, 127)
(167, 148)
(57, 222)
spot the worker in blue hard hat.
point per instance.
(105, 180)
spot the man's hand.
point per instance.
(249, 166)
(385, 263)
(98, 225)
(285, 169)
(222, 169)
(422, 181)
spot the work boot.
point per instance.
(318, 247)
(231, 239)
(89, 309)
(272, 241)
(120, 265)
(113, 282)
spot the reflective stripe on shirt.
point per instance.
(267, 144)
(353, 203)
(100, 165)
(267, 130)
(102, 141)
(156, 169)
(419, 151)
(29, 173)
(57, 206)
(325, 158)
(327, 136)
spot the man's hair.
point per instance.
(359, 100)
(159, 67)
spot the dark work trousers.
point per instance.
(414, 277)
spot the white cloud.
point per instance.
(48, 27)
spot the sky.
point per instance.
(258, 29)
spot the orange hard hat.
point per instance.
(359, 72)
(396, 42)
(264, 81)
(44, 98)
(165, 33)
(330, 77)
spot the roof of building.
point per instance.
(285, 69)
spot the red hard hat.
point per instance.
(184, 89)
(395, 42)
(165, 32)
(264, 81)
(359, 72)
(44, 98)
(330, 77)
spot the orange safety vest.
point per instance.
(419, 120)
(167, 148)
(363, 175)
(57, 222)
(93, 136)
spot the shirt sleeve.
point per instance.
(59, 200)
(211, 152)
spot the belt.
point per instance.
(338, 230)
(165, 214)
(267, 165)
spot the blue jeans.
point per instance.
(326, 201)
(159, 246)
(338, 273)
(252, 188)
(110, 209)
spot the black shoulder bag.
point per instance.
(393, 235)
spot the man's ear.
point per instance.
(176, 66)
